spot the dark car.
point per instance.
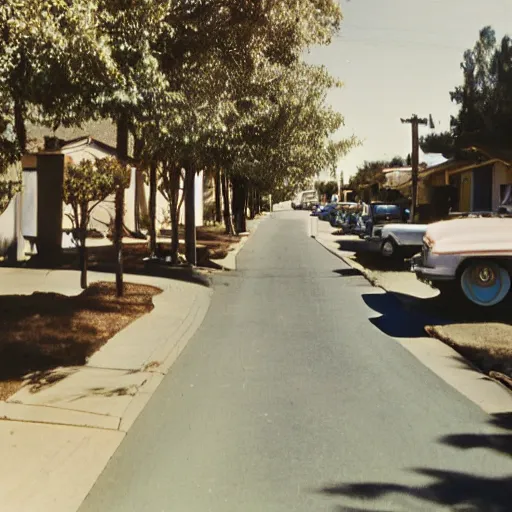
(385, 213)
(326, 211)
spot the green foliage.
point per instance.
(326, 188)
(9, 153)
(88, 183)
(485, 97)
(371, 173)
(438, 143)
(210, 84)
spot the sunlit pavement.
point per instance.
(293, 396)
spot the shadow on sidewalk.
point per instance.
(157, 268)
(465, 491)
(397, 321)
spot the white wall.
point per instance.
(8, 227)
(199, 201)
(502, 176)
(29, 204)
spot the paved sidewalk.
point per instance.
(403, 283)
(52, 467)
(441, 358)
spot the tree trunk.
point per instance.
(218, 195)
(19, 124)
(228, 223)
(246, 203)
(190, 214)
(137, 150)
(82, 249)
(152, 208)
(122, 152)
(250, 203)
(175, 207)
(239, 204)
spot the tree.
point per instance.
(9, 153)
(370, 173)
(85, 186)
(438, 143)
(485, 97)
(326, 188)
(54, 62)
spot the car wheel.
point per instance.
(389, 248)
(485, 283)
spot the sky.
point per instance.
(398, 58)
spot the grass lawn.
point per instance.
(43, 331)
(488, 345)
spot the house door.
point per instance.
(465, 191)
(482, 189)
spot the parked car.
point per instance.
(316, 209)
(326, 210)
(350, 221)
(337, 215)
(472, 255)
(388, 228)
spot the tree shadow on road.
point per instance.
(462, 491)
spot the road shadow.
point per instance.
(368, 256)
(397, 320)
(348, 272)
(151, 268)
(462, 491)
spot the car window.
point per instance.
(388, 210)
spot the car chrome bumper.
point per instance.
(426, 273)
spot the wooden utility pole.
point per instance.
(415, 121)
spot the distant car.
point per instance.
(472, 255)
(326, 211)
(337, 215)
(316, 209)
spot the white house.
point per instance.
(20, 219)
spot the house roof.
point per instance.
(448, 165)
(104, 130)
(493, 153)
(432, 159)
(82, 143)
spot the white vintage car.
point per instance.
(473, 255)
(399, 240)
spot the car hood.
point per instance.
(406, 228)
(481, 235)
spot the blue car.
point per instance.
(326, 211)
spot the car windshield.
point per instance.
(388, 210)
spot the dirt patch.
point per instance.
(42, 331)
(216, 240)
(487, 345)
(212, 243)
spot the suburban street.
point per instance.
(294, 396)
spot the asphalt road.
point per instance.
(292, 396)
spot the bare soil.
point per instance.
(487, 345)
(43, 331)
